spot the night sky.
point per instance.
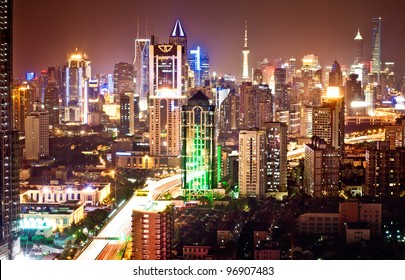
(46, 30)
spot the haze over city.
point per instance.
(46, 31)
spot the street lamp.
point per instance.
(112, 173)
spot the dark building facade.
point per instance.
(9, 152)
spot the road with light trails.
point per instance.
(120, 224)
(299, 153)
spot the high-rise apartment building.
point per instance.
(276, 151)
(152, 231)
(37, 135)
(252, 162)
(9, 146)
(376, 47)
(198, 147)
(395, 134)
(321, 169)
(255, 105)
(77, 75)
(384, 168)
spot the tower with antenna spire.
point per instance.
(245, 51)
(358, 42)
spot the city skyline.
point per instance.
(108, 35)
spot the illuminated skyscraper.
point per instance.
(77, 75)
(252, 162)
(358, 43)
(376, 47)
(165, 87)
(141, 68)
(245, 51)
(9, 147)
(200, 65)
(198, 147)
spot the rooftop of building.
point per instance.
(74, 186)
(50, 208)
(154, 206)
(359, 225)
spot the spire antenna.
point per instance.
(246, 36)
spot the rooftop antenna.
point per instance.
(137, 28)
(146, 29)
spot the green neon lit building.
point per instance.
(198, 147)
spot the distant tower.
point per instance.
(358, 42)
(51, 102)
(245, 51)
(199, 62)
(335, 76)
(376, 47)
(77, 73)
